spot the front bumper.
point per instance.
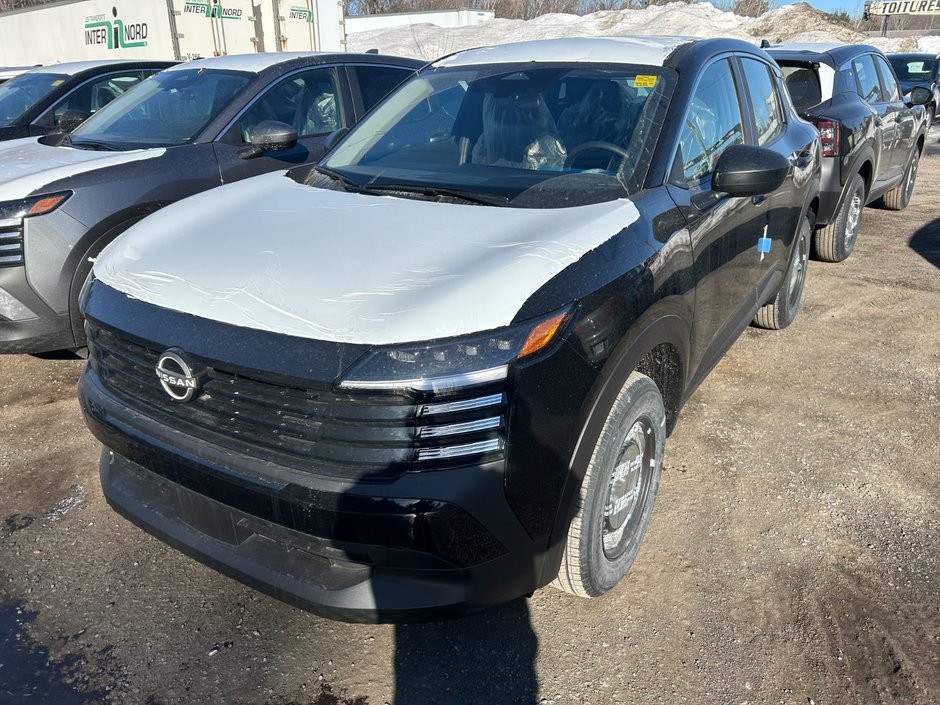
(30, 326)
(423, 546)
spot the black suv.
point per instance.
(60, 96)
(872, 135)
(921, 70)
(187, 129)
(437, 372)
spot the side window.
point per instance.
(91, 96)
(309, 101)
(712, 123)
(765, 100)
(869, 86)
(888, 82)
(375, 82)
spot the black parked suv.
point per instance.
(60, 96)
(872, 135)
(437, 371)
(187, 129)
(919, 70)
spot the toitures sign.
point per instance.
(904, 7)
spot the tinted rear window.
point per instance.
(803, 84)
(914, 69)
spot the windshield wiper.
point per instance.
(485, 199)
(347, 183)
(89, 144)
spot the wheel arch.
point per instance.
(91, 245)
(659, 347)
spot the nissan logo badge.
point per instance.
(176, 377)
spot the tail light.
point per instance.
(829, 137)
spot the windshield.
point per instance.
(908, 69)
(510, 135)
(20, 94)
(170, 108)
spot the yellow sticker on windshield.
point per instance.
(644, 82)
(58, 82)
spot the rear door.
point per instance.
(885, 118)
(315, 101)
(724, 231)
(906, 118)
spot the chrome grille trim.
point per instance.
(455, 429)
(453, 407)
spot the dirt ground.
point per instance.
(793, 556)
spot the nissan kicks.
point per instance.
(437, 371)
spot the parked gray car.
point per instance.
(186, 130)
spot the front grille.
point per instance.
(343, 435)
(11, 242)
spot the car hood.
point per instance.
(27, 165)
(271, 254)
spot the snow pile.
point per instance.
(790, 23)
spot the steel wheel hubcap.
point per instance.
(627, 486)
(911, 175)
(799, 269)
(853, 218)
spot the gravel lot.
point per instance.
(793, 555)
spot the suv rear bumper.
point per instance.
(423, 546)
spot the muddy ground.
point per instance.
(793, 556)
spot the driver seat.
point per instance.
(518, 131)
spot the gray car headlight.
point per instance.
(455, 363)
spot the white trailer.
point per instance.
(72, 30)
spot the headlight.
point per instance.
(34, 205)
(454, 363)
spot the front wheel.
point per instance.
(897, 198)
(780, 312)
(617, 494)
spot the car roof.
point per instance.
(256, 63)
(73, 68)
(913, 55)
(648, 50)
(832, 54)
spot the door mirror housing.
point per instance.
(334, 137)
(745, 170)
(918, 96)
(269, 136)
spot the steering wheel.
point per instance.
(606, 146)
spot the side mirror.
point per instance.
(744, 170)
(269, 136)
(334, 137)
(70, 119)
(918, 96)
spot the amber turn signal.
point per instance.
(542, 334)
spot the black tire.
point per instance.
(897, 198)
(835, 242)
(780, 312)
(605, 534)
(82, 275)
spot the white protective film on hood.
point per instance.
(27, 165)
(271, 254)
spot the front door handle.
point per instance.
(757, 200)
